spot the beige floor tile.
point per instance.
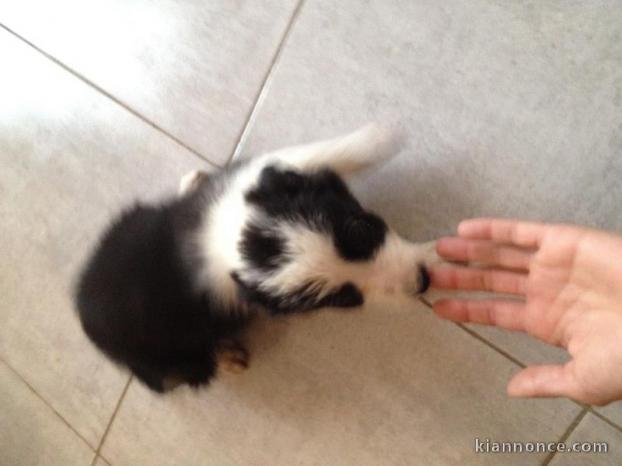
(592, 430)
(511, 109)
(101, 462)
(70, 157)
(192, 67)
(612, 412)
(524, 348)
(375, 387)
(31, 433)
(521, 346)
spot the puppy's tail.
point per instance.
(367, 146)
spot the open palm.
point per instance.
(570, 280)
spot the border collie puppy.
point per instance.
(169, 286)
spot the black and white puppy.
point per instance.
(169, 286)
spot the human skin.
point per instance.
(570, 282)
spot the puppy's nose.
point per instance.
(424, 279)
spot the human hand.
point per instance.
(571, 282)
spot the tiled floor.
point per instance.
(511, 109)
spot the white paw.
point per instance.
(190, 181)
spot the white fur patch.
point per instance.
(313, 256)
(221, 233)
(189, 181)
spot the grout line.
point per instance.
(107, 94)
(477, 336)
(38, 395)
(103, 458)
(508, 356)
(573, 425)
(604, 418)
(265, 85)
(243, 135)
(498, 349)
(114, 414)
(494, 347)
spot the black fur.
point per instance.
(263, 247)
(305, 298)
(136, 298)
(323, 202)
(136, 302)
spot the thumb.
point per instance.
(543, 381)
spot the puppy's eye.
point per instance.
(357, 226)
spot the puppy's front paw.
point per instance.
(233, 357)
(191, 181)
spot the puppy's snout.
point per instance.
(424, 279)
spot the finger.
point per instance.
(525, 234)
(465, 278)
(500, 313)
(484, 252)
(544, 381)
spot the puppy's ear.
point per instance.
(369, 145)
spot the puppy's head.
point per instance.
(308, 243)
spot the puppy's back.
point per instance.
(135, 302)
